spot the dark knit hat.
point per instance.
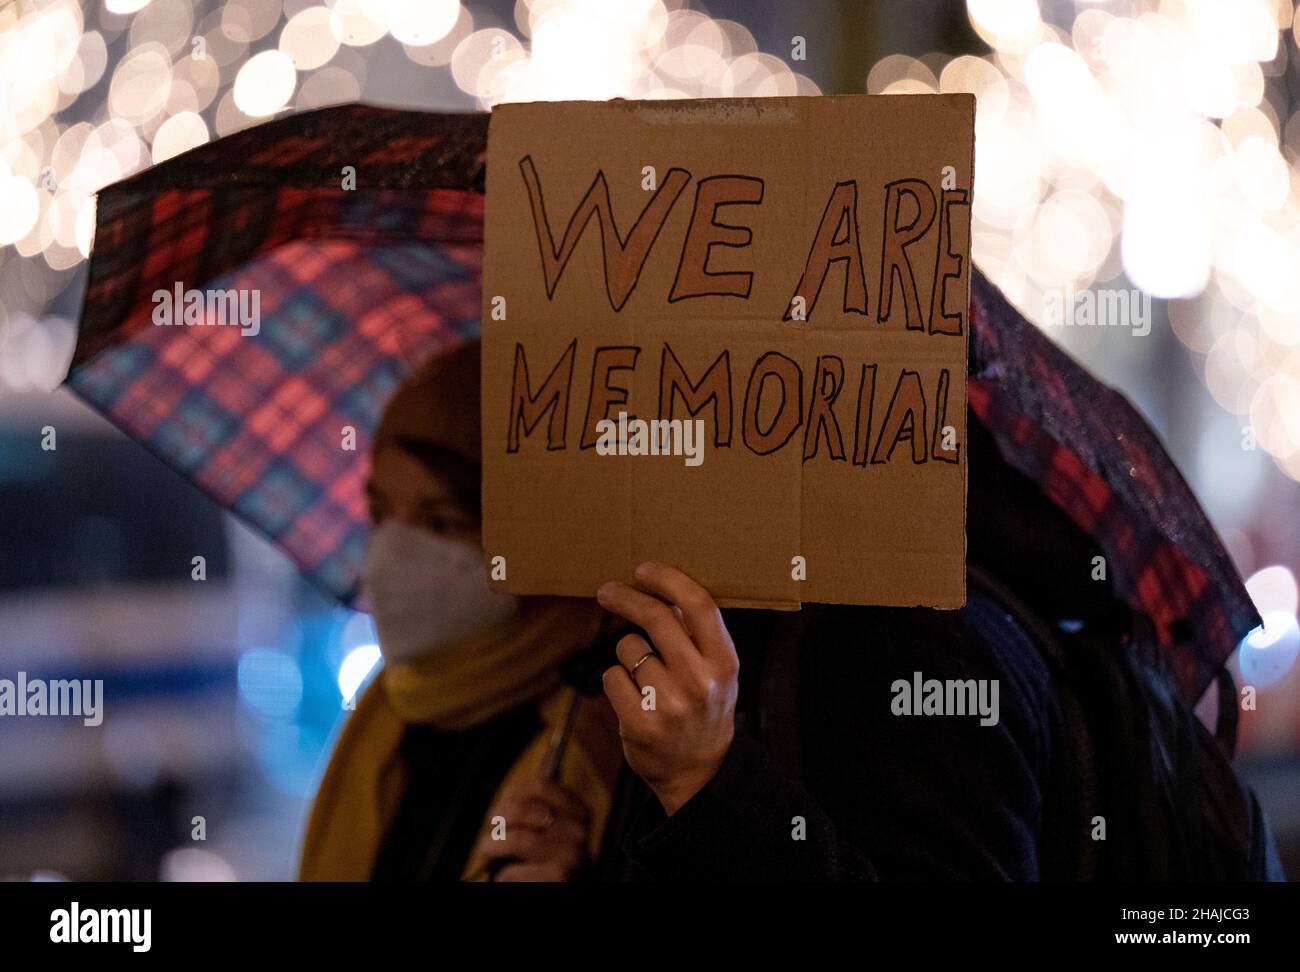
(437, 405)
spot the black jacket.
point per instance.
(869, 794)
(822, 781)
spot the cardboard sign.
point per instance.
(730, 336)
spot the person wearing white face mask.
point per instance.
(456, 728)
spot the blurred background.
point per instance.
(1120, 144)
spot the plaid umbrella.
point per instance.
(359, 286)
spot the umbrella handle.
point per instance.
(560, 736)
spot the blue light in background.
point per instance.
(270, 683)
(356, 668)
(1267, 653)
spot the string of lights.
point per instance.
(1090, 164)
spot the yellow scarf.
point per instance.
(452, 688)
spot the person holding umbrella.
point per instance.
(455, 712)
(470, 703)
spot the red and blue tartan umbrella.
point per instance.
(359, 286)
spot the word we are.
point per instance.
(910, 210)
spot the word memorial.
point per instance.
(779, 284)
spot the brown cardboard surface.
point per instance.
(829, 445)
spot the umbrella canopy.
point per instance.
(1096, 458)
(358, 286)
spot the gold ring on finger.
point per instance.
(640, 661)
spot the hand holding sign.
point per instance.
(677, 743)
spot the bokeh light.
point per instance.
(1152, 140)
(1269, 652)
(270, 683)
(1143, 139)
(265, 83)
(356, 668)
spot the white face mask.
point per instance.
(427, 592)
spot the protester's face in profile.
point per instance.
(404, 488)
